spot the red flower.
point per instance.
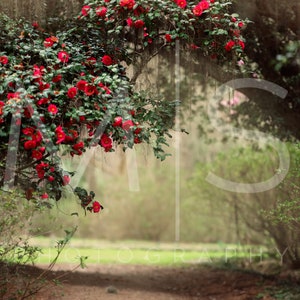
(37, 136)
(138, 130)
(117, 122)
(97, 207)
(241, 44)
(240, 24)
(136, 140)
(101, 11)
(168, 37)
(36, 154)
(127, 125)
(72, 92)
(181, 3)
(35, 24)
(44, 86)
(129, 22)
(60, 135)
(81, 85)
(52, 109)
(127, 3)
(78, 146)
(85, 10)
(204, 4)
(13, 95)
(139, 24)
(51, 178)
(57, 78)
(38, 71)
(107, 60)
(43, 101)
(105, 88)
(50, 41)
(28, 131)
(229, 45)
(106, 142)
(2, 104)
(197, 10)
(3, 60)
(63, 56)
(90, 90)
(66, 179)
(45, 196)
(30, 144)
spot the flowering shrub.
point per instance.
(67, 91)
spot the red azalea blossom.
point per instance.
(168, 38)
(3, 60)
(52, 109)
(44, 86)
(78, 146)
(139, 24)
(43, 101)
(107, 60)
(127, 3)
(60, 135)
(106, 142)
(38, 71)
(28, 131)
(204, 4)
(85, 10)
(45, 196)
(30, 144)
(57, 78)
(48, 42)
(2, 104)
(72, 92)
(101, 11)
(229, 45)
(129, 22)
(81, 85)
(37, 137)
(63, 56)
(197, 10)
(127, 125)
(90, 90)
(36, 154)
(105, 88)
(51, 178)
(181, 3)
(136, 140)
(241, 44)
(66, 179)
(35, 24)
(96, 207)
(117, 121)
(13, 95)
(240, 24)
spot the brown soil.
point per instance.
(113, 282)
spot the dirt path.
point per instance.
(114, 282)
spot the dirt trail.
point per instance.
(114, 282)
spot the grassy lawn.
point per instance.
(141, 252)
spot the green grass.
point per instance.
(137, 252)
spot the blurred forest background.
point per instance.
(207, 214)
